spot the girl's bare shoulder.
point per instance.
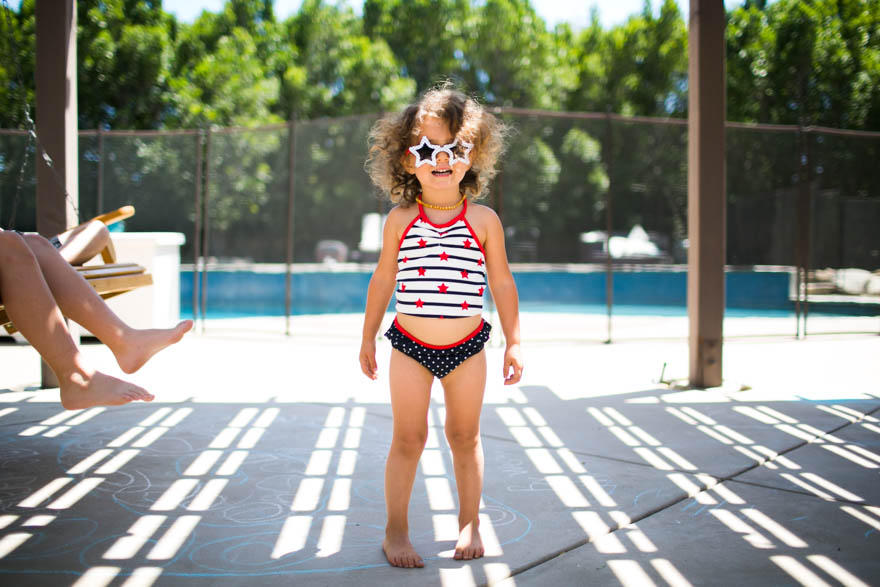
(402, 215)
(398, 219)
(482, 215)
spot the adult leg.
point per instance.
(78, 301)
(410, 398)
(30, 305)
(463, 389)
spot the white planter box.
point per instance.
(158, 305)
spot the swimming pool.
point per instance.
(259, 290)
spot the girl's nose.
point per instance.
(443, 156)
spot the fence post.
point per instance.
(609, 220)
(205, 228)
(100, 198)
(197, 227)
(802, 231)
(798, 284)
(808, 224)
(291, 166)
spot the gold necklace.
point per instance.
(435, 207)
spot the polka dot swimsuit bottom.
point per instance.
(440, 361)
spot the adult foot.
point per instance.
(81, 392)
(137, 348)
(400, 553)
(470, 544)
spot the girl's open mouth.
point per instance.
(442, 172)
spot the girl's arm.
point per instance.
(382, 285)
(504, 294)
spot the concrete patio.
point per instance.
(261, 462)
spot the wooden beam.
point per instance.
(707, 109)
(56, 120)
(56, 116)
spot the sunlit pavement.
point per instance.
(261, 463)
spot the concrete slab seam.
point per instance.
(835, 499)
(583, 542)
(663, 507)
(805, 493)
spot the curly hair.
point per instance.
(392, 135)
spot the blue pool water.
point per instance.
(261, 292)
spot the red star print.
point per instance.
(443, 287)
(444, 256)
(481, 290)
(464, 274)
(464, 305)
(419, 303)
(421, 271)
(402, 287)
(480, 262)
(422, 242)
(467, 243)
(405, 259)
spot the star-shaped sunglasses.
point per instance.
(426, 152)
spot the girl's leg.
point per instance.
(79, 302)
(80, 244)
(464, 389)
(410, 399)
(34, 312)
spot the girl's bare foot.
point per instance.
(137, 348)
(469, 545)
(80, 392)
(400, 552)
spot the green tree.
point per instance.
(16, 69)
(227, 87)
(334, 69)
(512, 60)
(124, 55)
(425, 35)
(797, 62)
(223, 73)
(636, 68)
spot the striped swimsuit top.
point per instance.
(441, 269)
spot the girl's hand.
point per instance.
(513, 365)
(368, 359)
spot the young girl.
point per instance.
(437, 253)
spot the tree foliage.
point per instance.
(790, 61)
(637, 68)
(796, 62)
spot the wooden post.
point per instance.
(706, 191)
(57, 193)
(57, 181)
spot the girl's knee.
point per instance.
(36, 242)
(463, 439)
(411, 442)
(93, 231)
(13, 248)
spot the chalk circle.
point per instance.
(253, 512)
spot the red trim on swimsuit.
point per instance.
(433, 346)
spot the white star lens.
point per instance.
(426, 152)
